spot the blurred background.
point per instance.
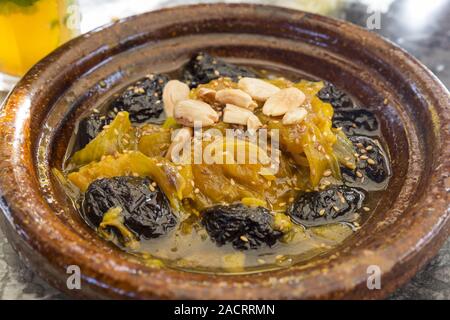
(30, 29)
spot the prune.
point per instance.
(336, 203)
(142, 100)
(376, 172)
(202, 68)
(244, 227)
(355, 121)
(88, 128)
(146, 210)
(337, 98)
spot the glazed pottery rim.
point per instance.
(23, 206)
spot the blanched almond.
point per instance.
(187, 112)
(283, 101)
(236, 115)
(294, 116)
(253, 123)
(207, 95)
(182, 137)
(237, 97)
(173, 92)
(258, 89)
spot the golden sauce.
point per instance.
(188, 246)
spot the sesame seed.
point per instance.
(350, 165)
(335, 208)
(261, 261)
(96, 110)
(359, 174)
(196, 190)
(364, 157)
(370, 161)
(282, 204)
(152, 188)
(243, 238)
(322, 212)
(356, 224)
(366, 209)
(368, 148)
(327, 173)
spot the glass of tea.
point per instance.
(29, 30)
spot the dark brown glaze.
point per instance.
(400, 236)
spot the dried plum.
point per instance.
(337, 98)
(355, 121)
(146, 212)
(202, 68)
(336, 203)
(244, 227)
(142, 100)
(376, 172)
(88, 128)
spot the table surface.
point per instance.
(420, 27)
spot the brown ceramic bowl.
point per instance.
(400, 236)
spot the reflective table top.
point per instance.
(420, 27)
